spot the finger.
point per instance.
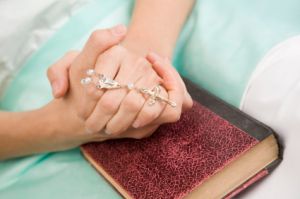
(166, 71)
(139, 133)
(58, 74)
(187, 102)
(131, 106)
(98, 42)
(150, 112)
(107, 64)
(109, 103)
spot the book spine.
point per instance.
(248, 183)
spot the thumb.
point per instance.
(164, 70)
(58, 74)
(171, 77)
(98, 43)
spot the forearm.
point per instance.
(156, 24)
(21, 132)
(31, 132)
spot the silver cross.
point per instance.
(154, 96)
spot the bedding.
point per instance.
(219, 48)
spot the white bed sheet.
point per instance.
(273, 97)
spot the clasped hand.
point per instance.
(89, 114)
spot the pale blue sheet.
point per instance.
(218, 49)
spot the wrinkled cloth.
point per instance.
(219, 48)
(273, 97)
(25, 26)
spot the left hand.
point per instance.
(172, 82)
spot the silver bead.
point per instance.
(90, 72)
(86, 80)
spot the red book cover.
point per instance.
(191, 157)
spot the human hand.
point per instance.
(162, 66)
(141, 65)
(70, 130)
(69, 127)
(118, 108)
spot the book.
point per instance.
(213, 151)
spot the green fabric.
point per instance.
(65, 174)
(218, 49)
(230, 37)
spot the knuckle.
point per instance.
(81, 111)
(108, 105)
(117, 49)
(104, 58)
(93, 92)
(132, 104)
(112, 130)
(149, 115)
(72, 53)
(98, 37)
(112, 54)
(91, 127)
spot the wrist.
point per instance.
(52, 117)
(141, 43)
(63, 126)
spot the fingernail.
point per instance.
(119, 30)
(135, 124)
(55, 88)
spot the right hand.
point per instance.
(84, 100)
(72, 112)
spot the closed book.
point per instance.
(213, 151)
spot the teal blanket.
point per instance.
(218, 49)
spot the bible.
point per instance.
(213, 151)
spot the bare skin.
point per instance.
(64, 123)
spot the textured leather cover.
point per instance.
(176, 159)
(179, 157)
(230, 113)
